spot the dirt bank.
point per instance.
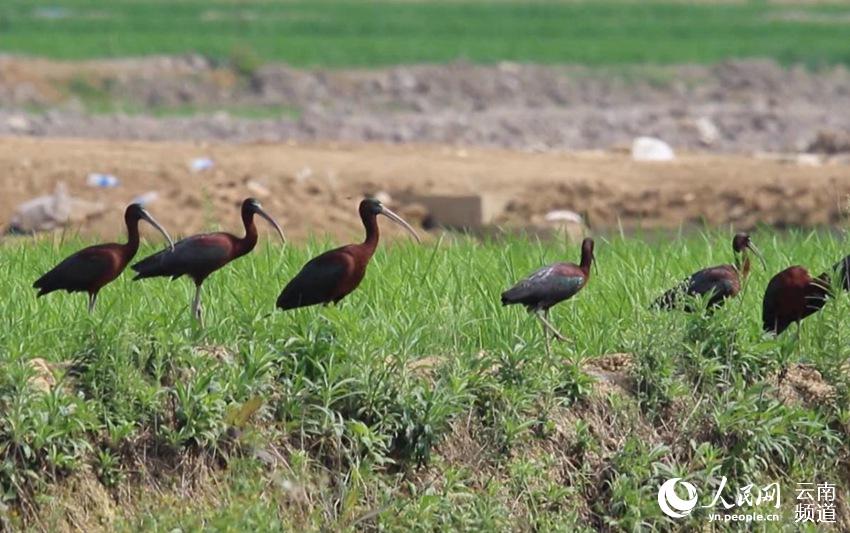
(314, 188)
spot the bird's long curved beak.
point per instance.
(276, 226)
(152, 221)
(756, 251)
(400, 221)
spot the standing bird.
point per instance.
(791, 296)
(717, 282)
(333, 275)
(91, 268)
(199, 256)
(550, 285)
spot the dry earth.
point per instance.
(314, 188)
(736, 106)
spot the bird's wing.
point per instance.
(316, 281)
(717, 281)
(191, 254)
(78, 271)
(549, 284)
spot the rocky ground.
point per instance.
(733, 107)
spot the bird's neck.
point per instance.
(742, 264)
(586, 261)
(370, 222)
(247, 243)
(132, 245)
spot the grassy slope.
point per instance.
(341, 34)
(349, 416)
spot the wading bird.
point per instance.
(550, 285)
(91, 268)
(333, 275)
(717, 283)
(791, 296)
(199, 256)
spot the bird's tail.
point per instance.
(514, 295)
(45, 284)
(151, 267)
(668, 300)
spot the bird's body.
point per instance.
(791, 296)
(547, 286)
(327, 278)
(333, 275)
(551, 285)
(90, 269)
(199, 256)
(717, 283)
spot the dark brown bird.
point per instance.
(551, 285)
(717, 283)
(333, 275)
(199, 256)
(791, 296)
(90, 269)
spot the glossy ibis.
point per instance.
(550, 285)
(199, 256)
(333, 275)
(717, 283)
(791, 296)
(91, 268)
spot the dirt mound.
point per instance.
(612, 373)
(744, 105)
(804, 385)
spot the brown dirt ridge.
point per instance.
(313, 188)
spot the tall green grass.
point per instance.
(356, 422)
(368, 33)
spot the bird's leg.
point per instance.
(92, 301)
(546, 338)
(196, 305)
(547, 325)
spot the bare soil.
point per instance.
(313, 188)
(750, 105)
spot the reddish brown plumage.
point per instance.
(333, 275)
(791, 296)
(199, 256)
(717, 283)
(90, 269)
(552, 284)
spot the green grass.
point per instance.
(366, 33)
(495, 435)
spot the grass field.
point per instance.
(351, 33)
(418, 404)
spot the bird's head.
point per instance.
(372, 207)
(251, 207)
(742, 241)
(136, 212)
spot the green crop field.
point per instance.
(419, 403)
(365, 33)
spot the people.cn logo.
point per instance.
(670, 502)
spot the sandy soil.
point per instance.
(314, 188)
